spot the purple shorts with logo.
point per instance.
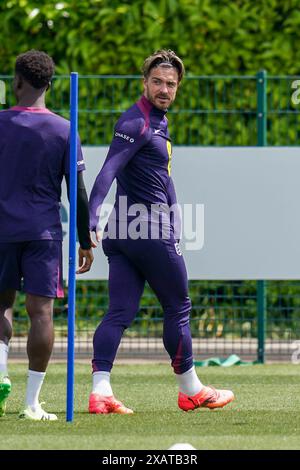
(33, 266)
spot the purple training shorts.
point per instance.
(38, 263)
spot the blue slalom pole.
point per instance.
(72, 245)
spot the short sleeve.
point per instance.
(80, 160)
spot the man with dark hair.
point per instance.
(163, 58)
(34, 157)
(140, 159)
(36, 68)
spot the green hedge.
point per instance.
(213, 37)
(113, 36)
(220, 309)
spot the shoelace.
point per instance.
(116, 404)
(109, 404)
(45, 414)
(212, 397)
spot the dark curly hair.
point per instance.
(36, 67)
(166, 58)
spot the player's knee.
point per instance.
(43, 322)
(179, 309)
(39, 308)
(119, 319)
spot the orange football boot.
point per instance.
(103, 405)
(208, 397)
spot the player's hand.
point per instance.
(93, 243)
(99, 236)
(85, 261)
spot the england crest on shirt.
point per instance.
(177, 249)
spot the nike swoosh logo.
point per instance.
(156, 131)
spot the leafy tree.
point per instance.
(113, 37)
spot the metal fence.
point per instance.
(209, 110)
(254, 319)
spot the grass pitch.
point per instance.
(264, 415)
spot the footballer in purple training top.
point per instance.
(139, 158)
(34, 158)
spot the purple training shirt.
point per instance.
(34, 157)
(139, 158)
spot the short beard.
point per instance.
(151, 99)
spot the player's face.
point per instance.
(161, 85)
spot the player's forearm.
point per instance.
(99, 192)
(129, 137)
(83, 219)
(116, 160)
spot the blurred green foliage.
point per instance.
(114, 36)
(213, 37)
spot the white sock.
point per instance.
(189, 383)
(101, 383)
(3, 357)
(34, 384)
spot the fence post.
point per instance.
(261, 87)
(2, 92)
